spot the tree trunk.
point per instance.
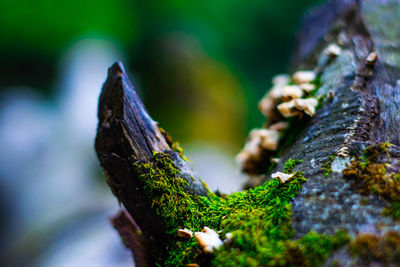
(349, 155)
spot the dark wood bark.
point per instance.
(362, 109)
(132, 236)
(126, 134)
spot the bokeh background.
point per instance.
(200, 67)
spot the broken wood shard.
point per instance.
(122, 112)
(126, 134)
(132, 236)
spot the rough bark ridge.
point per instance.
(361, 109)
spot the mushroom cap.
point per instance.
(282, 177)
(304, 76)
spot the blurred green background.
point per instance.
(180, 52)
(200, 67)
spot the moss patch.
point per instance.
(376, 177)
(258, 219)
(369, 248)
(326, 167)
(175, 146)
(393, 210)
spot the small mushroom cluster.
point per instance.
(292, 96)
(259, 142)
(289, 97)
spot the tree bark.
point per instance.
(361, 109)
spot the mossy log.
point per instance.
(341, 204)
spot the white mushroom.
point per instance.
(281, 79)
(251, 150)
(276, 160)
(333, 50)
(291, 92)
(185, 233)
(305, 76)
(228, 238)
(343, 152)
(287, 109)
(371, 58)
(268, 103)
(259, 141)
(282, 177)
(308, 105)
(307, 87)
(208, 240)
(268, 138)
(298, 106)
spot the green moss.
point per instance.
(326, 167)
(369, 248)
(290, 164)
(317, 254)
(317, 83)
(175, 146)
(321, 100)
(372, 151)
(377, 177)
(393, 210)
(259, 220)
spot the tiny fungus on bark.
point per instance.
(307, 87)
(296, 107)
(333, 50)
(282, 177)
(208, 240)
(185, 233)
(291, 92)
(371, 58)
(281, 79)
(304, 76)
